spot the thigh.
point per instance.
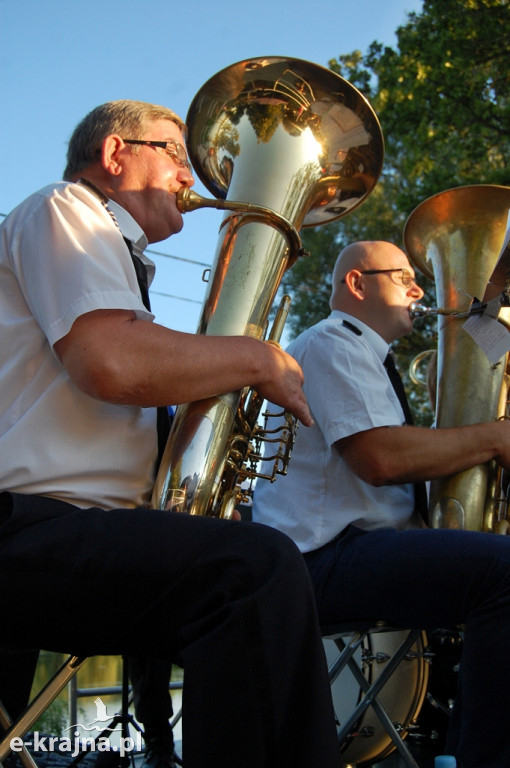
(419, 578)
(85, 580)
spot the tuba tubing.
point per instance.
(297, 145)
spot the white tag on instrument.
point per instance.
(491, 336)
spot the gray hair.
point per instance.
(124, 117)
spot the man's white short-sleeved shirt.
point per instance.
(349, 391)
(63, 255)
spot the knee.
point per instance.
(271, 554)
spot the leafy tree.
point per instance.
(443, 100)
(444, 97)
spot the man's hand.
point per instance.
(282, 384)
(503, 455)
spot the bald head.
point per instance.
(366, 254)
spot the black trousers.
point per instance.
(230, 602)
(429, 579)
(150, 680)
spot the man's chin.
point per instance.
(175, 225)
(173, 228)
(176, 220)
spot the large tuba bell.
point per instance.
(298, 146)
(456, 237)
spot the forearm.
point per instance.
(113, 356)
(392, 455)
(164, 366)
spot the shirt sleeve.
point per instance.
(70, 258)
(347, 384)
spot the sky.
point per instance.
(61, 58)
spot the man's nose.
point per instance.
(186, 177)
(416, 291)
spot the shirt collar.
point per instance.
(128, 226)
(133, 231)
(378, 344)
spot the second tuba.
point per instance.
(456, 238)
(280, 143)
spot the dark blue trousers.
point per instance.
(430, 579)
(229, 602)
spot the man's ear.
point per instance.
(111, 159)
(355, 284)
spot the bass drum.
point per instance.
(401, 697)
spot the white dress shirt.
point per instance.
(61, 255)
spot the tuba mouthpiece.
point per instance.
(419, 310)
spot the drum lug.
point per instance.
(379, 657)
(427, 656)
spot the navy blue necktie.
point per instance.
(398, 386)
(163, 417)
(420, 491)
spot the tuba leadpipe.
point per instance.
(456, 238)
(279, 143)
(417, 310)
(188, 200)
(492, 307)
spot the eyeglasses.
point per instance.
(171, 147)
(406, 277)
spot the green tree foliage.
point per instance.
(443, 99)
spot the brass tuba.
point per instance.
(298, 146)
(456, 237)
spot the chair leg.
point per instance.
(40, 703)
(25, 756)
